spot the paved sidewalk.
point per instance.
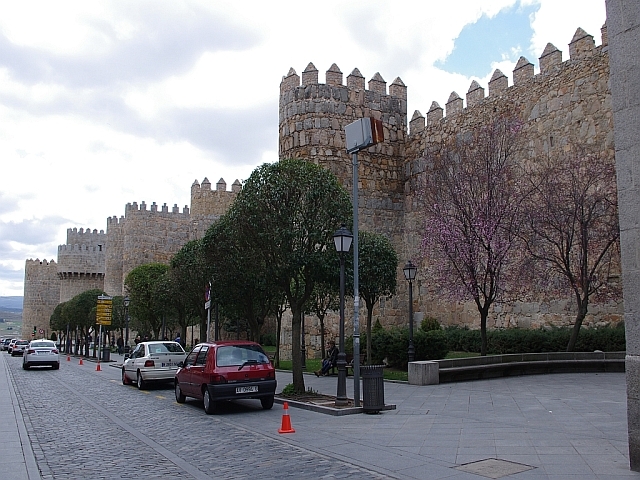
(565, 426)
(17, 459)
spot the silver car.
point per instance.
(155, 361)
(19, 347)
(41, 352)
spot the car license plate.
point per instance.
(246, 389)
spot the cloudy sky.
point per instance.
(104, 103)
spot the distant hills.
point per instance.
(11, 303)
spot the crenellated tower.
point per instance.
(81, 262)
(41, 295)
(312, 120)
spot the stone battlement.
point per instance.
(582, 47)
(133, 207)
(85, 236)
(45, 263)
(206, 202)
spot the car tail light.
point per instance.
(31, 351)
(149, 363)
(218, 379)
(271, 374)
(55, 350)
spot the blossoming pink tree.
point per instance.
(573, 227)
(473, 196)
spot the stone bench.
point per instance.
(494, 366)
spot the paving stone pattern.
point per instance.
(82, 425)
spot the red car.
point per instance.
(230, 370)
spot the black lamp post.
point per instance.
(342, 239)
(410, 271)
(125, 301)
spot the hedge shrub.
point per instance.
(519, 340)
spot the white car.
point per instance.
(19, 347)
(41, 352)
(155, 361)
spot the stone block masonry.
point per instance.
(93, 259)
(568, 101)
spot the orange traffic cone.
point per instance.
(286, 421)
(68, 358)
(80, 361)
(98, 367)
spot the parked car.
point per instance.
(11, 343)
(213, 372)
(19, 347)
(5, 344)
(153, 361)
(41, 352)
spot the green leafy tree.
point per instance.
(80, 312)
(324, 298)
(286, 214)
(377, 273)
(241, 282)
(148, 295)
(189, 274)
(56, 321)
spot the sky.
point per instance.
(105, 103)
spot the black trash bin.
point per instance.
(372, 388)
(106, 353)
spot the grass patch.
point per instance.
(315, 364)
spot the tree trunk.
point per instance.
(322, 344)
(278, 330)
(483, 331)
(582, 313)
(296, 355)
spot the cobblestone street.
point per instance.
(85, 424)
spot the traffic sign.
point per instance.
(104, 310)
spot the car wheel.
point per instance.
(25, 366)
(209, 404)
(140, 381)
(180, 398)
(267, 402)
(56, 366)
(125, 380)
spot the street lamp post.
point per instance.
(125, 301)
(342, 239)
(410, 271)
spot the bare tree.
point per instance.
(472, 205)
(573, 225)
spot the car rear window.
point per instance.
(23, 342)
(230, 355)
(42, 344)
(167, 347)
